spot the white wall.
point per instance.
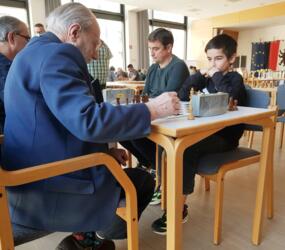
(246, 37)
(131, 36)
(36, 12)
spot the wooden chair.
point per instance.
(213, 167)
(21, 234)
(256, 99)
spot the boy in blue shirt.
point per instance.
(221, 54)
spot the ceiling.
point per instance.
(199, 9)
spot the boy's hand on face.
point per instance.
(212, 71)
(204, 71)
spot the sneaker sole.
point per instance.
(156, 202)
(164, 233)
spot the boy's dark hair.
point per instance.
(130, 66)
(162, 35)
(224, 42)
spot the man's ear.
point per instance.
(11, 38)
(73, 31)
(233, 58)
(169, 47)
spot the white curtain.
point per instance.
(50, 5)
(143, 31)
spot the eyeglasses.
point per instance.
(28, 38)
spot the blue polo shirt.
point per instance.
(5, 64)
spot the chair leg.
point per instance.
(270, 190)
(250, 139)
(207, 184)
(281, 135)
(218, 209)
(163, 181)
(6, 239)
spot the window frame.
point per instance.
(23, 4)
(171, 25)
(114, 16)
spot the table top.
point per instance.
(123, 83)
(178, 126)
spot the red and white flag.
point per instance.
(281, 56)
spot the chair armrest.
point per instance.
(40, 172)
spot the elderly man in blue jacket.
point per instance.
(52, 115)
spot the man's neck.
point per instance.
(6, 52)
(165, 62)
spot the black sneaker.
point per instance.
(71, 243)
(159, 225)
(156, 198)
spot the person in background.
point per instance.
(39, 29)
(142, 74)
(56, 116)
(192, 70)
(99, 68)
(14, 35)
(133, 74)
(121, 75)
(111, 74)
(221, 54)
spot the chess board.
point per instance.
(111, 95)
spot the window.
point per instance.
(110, 17)
(14, 8)
(109, 30)
(177, 24)
(101, 5)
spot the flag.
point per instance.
(254, 50)
(259, 55)
(281, 56)
(273, 54)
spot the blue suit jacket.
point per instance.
(52, 115)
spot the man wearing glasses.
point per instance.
(14, 35)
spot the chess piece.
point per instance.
(118, 101)
(235, 105)
(231, 104)
(137, 98)
(145, 98)
(190, 115)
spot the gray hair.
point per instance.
(62, 17)
(8, 24)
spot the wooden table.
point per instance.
(177, 134)
(138, 86)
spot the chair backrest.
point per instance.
(280, 98)
(256, 99)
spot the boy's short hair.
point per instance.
(130, 66)
(162, 35)
(39, 25)
(224, 42)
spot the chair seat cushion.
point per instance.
(24, 234)
(281, 119)
(211, 163)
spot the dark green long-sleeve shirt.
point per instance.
(169, 78)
